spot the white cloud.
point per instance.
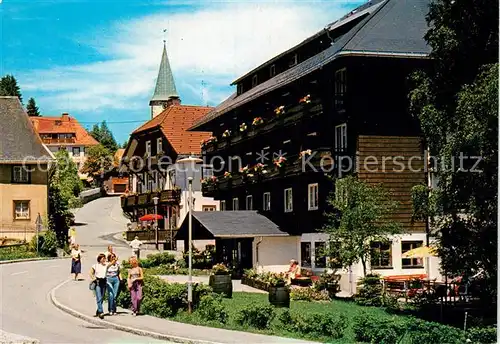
(214, 45)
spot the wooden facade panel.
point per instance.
(393, 177)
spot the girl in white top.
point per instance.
(98, 275)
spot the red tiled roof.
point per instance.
(63, 125)
(174, 122)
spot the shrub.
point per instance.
(318, 324)
(49, 246)
(371, 329)
(162, 299)
(124, 299)
(423, 332)
(309, 294)
(157, 259)
(181, 264)
(482, 335)
(370, 291)
(258, 316)
(210, 308)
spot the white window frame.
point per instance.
(159, 145)
(24, 212)
(207, 207)
(236, 204)
(312, 196)
(148, 148)
(22, 174)
(341, 142)
(249, 202)
(266, 204)
(288, 200)
(222, 205)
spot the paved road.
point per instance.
(25, 306)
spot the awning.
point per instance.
(228, 224)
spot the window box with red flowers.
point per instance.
(209, 143)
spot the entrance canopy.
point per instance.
(228, 224)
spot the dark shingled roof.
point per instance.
(220, 224)
(18, 140)
(393, 28)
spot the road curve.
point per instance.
(25, 306)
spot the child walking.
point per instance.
(134, 280)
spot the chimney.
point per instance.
(65, 116)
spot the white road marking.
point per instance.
(19, 273)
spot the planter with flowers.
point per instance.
(247, 174)
(225, 180)
(240, 133)
(280, 110)
(257, 123)
(209, 144)
(304, 154)
(226, 134)
(279, 163)
(259, 170)
(220, 280)
(279, 292)
(209, 183)
(305, 100)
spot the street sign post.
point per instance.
(38, 224)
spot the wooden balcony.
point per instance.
(290, 117)
(50, 141)
(150, 236)
(321, 160)
(146, 199)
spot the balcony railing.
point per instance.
(291, 116)
(147, 199)
(321, 160)
(49, 141)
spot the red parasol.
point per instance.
(150, 217)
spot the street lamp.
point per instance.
(193, 161)
(155, 201)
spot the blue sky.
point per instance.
(98, 59)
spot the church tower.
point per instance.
(165, 93)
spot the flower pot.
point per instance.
(222, 284)
(279, 296)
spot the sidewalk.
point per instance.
(76, 299)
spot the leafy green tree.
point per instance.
(58, 219)
(66, 176)
(9, 87)
(99, 161)
(457, 104)
(31, 108)
(359, 217)
(104, 136)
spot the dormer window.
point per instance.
(293, 60)
(254, 81)
(272, 70)
(239, 89)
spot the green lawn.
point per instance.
(240, 300)
(16, 252)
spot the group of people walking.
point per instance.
(105, 276)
